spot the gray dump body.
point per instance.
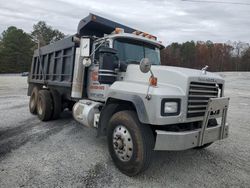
(57, 64)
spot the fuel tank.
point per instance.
(86, 111)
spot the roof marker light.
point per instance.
(118, 30)
(143, 34)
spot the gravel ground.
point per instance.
(63, 153)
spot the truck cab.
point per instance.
(130, 50)
(111, 77)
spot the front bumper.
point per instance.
(168, 140)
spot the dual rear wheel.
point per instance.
(45, 103)
(33, 100)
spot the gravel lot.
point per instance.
(63, 153)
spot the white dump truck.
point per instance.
(111, 77)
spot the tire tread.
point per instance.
(46, 98)
(57, 104)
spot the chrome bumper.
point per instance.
(167, 140)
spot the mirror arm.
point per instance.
(151, 73)
(148, 96)
(97, 47)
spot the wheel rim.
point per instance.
(122, 143)
(39, 106)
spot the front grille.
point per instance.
(198, 96)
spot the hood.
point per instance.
(171, 76)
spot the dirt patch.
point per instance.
(98, 176)
(31, 130)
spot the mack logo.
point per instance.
(207, 79)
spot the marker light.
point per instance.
(146, 35)
(118, 30)
(153, 81)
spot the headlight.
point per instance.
(170, 107)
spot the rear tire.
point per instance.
(44, 105)
(57, 104)
(130, 143)
(33, 100)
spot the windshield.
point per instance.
(130, 51)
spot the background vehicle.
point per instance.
(110, 76)
(25, 74)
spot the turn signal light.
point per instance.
(153, 81)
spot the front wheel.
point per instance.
(130, 143)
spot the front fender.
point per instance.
(135, 100)
(119, 101)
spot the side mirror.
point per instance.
(85, 51)
(108, 62)
(145, 65)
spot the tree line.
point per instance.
(230, 56)
(17, 46)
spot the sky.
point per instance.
(169, 20)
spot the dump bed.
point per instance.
(57, 63)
